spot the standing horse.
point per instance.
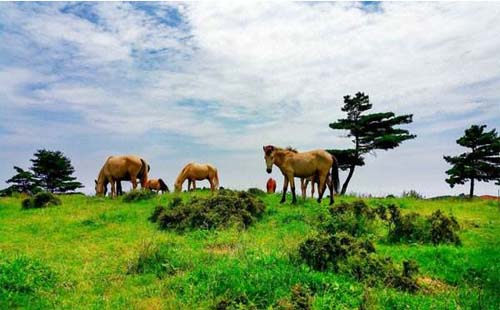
(197, 172)
(117, 168)
(158, 185)
(271, 186)
(303, 165)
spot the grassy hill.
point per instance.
(98, 253)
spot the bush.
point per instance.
(412, 227)
(412, 194)
(300, 299)
(41, 200)
(355, 218)
(346, 254)
(153, 259)
(137, 195)
(256, 191)
(222, 209)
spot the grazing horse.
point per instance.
(303, 165)
(197, 172)
(271, 186)
(304, 182)
(119, 190)
(117, 168)
(158, 185)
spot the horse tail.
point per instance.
(335, 174)
(143, 173)
(163, 186)
(216, 179)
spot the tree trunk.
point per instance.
(471, 193)
(346, 183)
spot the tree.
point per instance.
(482, 163)
(53, 170)
(369, 132)
(23, 182)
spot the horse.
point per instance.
(158, 185)
(303, 165)
(271, 186)
(119, 190)
(304, 182)
(197, 172)
(117, 168)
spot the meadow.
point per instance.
(102, 253)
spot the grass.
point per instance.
(101, 253)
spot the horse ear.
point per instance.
(95, 182)
(264, 147)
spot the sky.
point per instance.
(214, 82)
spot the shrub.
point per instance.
(222, 209)
(346, 254)
(137, 195)
(152, 259)
(412, 194)
(41, 200)
(256, 191)
(444, 229)
(354, 218)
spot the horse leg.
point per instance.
(330, 186)
(292, 185)
(313, 183)
(303, 187)
(321, 187)
(285, 188)
(133, 179)
(212, 184)
(113, 188)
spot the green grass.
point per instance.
(85, 250)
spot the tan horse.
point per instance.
(158, 185)
(197, 172)
(117, 168)
(304, 182)
(303, 165)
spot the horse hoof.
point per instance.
(282, 201)
(319, 200)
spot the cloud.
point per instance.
(227, 78)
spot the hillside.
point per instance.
(84, 254)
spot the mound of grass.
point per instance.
(23, 279)
(222, 209)
(256, 191)
(413, 227)
(355, 218)
(155, 259)
(137, 195)
(41, 200)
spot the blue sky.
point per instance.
(213, 82)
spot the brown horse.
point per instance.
(119, 190)
(304, 182)
(303, 165)
(197, 172)
(271, 186)
(117, 168)
(158, 185)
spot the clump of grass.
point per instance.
(239, 302)
(343, 253)
(23, 278)
(256, 191)
(355, 218)
(137, 195)
(301, 299)
(41, 200)
(222, 209)
(413, 227)
(153, 259)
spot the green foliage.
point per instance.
(54, 171)
(222, 209)
(355, 218)
(24, 280)
(138, 195)
(301, 299)
(369, 132)
(482, 163)
(154, 259)
(412, 227)
(23, 182)
(256, 191)
(412, 194)
(41, 200)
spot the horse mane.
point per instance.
(291, 149)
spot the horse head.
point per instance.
(269, 157)
(100, 188)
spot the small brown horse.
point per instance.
(303, 165)
(117, 168)
(271, 186)
(158, 185)
(197, 172)
(304, 182)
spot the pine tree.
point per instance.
(54, 171)
(23, 182)
(482, 163)
(369, 132)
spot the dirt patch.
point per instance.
(432, 286)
